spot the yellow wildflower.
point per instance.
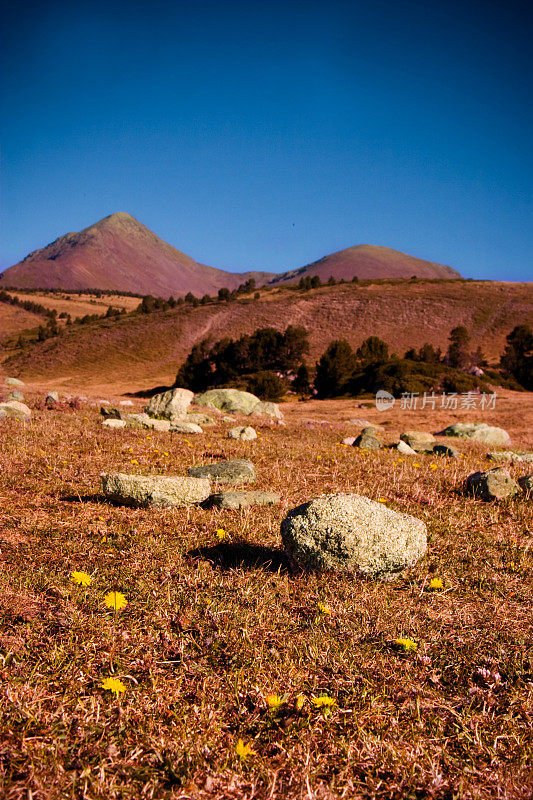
(400, 461)
(114, 685)
(300, 702)
(323, 609)
(115, 600)
(274, 701)
(243, 750)
(433, 466)
(134, 461)
(323, 701)
(416, 464)
(165, 453)
(382, 499)
(436, 583)
(81, 578)
(221, 534)
(407, 645)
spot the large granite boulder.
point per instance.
(171, 404)
(349, 532)
(478, 432)
(494, 484)
(421, 441)
(155, 490)
(239, 470)
(243, 433)
(177, 426)
(14, 408)
(232, 401)
(239, 500)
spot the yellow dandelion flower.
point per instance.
(244, 750)
(433, 466)
(81, 578)
(114, 685)
(323, 701)
(221, 534)
(130, 449)
(416, 464)
(115, 600)
(436, 583)
(273, 701)
(407, 645)
(166, 454)
(134, 461)
(400, 461)
(382, 499)
(323, 609)
(300, 702)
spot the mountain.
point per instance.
(122, 254)
(367, 261)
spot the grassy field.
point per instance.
(215, 622)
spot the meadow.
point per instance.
(231, 675)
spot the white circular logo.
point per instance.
(384, 400)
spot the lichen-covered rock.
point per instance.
(233, 401)
(349, 532)
(494, 484)
(440, 449)
(170, 404)
(14, 408)
(373, 430)
(114, 423)
(479, 432)
(243, 499)
(510, 455)
(526, 484)
(13, 382)
(239, 470)
(245, 434)
(266, 409)
(155, 490)
(421, 441)
(184, 427)
(141, 420)
(198, 418)
(16, 395)
(367, 442)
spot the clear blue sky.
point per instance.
(266, 135)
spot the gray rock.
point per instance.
(495, 484)
(109, 412)
(232, 401)
(111, 422)
(479, 432)
(125, 403)
(243, 499)
(359, 422)
(240, 470)
(14, 408)
(265, 409)
(175, 402)
(198, 418)
(373, 430)
(245, 434)
(52, 397)
(13, 382)
(349, 441)
(155, 490)
(526, 484)
(510, 455)
(184, 427)
(367, 442)
(141, 420)
(441, 449)
(403, 447)
(16, 395)
(421, 441)
(348, 532)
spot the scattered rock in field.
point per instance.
(52, 398)
(13, 382)
(479, 432)
(199, 419)
(403, 447)
(441, 449)
(167, 405)
(265, 409)
(526, 484)
(245, 434)
(141, 420)
(349, 441)
(349, 532)
(16, 395)
(359, 422)
(232, 401)
(243, 499)
(367, 442)
(373, 430)
(510, 455)
(184, 427)
(109, 412)
(125, 403)
(14, 408)
(155, 490)
(495, 484)
(240, 470)
(420, 441)
(111, 422)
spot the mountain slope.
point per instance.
(367, 261)
(122, 254)
(140, 351)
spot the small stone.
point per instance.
(479, 432)
(197, 418)
(421, 441)
(367, 442)
(403, 447)
(171, 403)
(349, 532)
(13, 382)
(114, 423)
(125, 403)
(372, 430)
(243, 499)
(16, 395)
(349, 441)
(155, 490)
(265, 409)
(141, 420)
(14, 408)
(495, 484)
(245, 434)
(526, 484)
(109, 412)
(440, 449)
(185, 427)
(239, 470)
(52, 398)
(509, 455)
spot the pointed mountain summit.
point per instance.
(122, 254)
(368, 261)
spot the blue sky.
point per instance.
(266, 135)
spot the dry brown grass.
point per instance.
(212, 627)
(77, 305)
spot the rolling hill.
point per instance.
(120, 253)
(140, 351)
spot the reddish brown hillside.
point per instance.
(140, 351)
(122, 254)
(368, 262)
